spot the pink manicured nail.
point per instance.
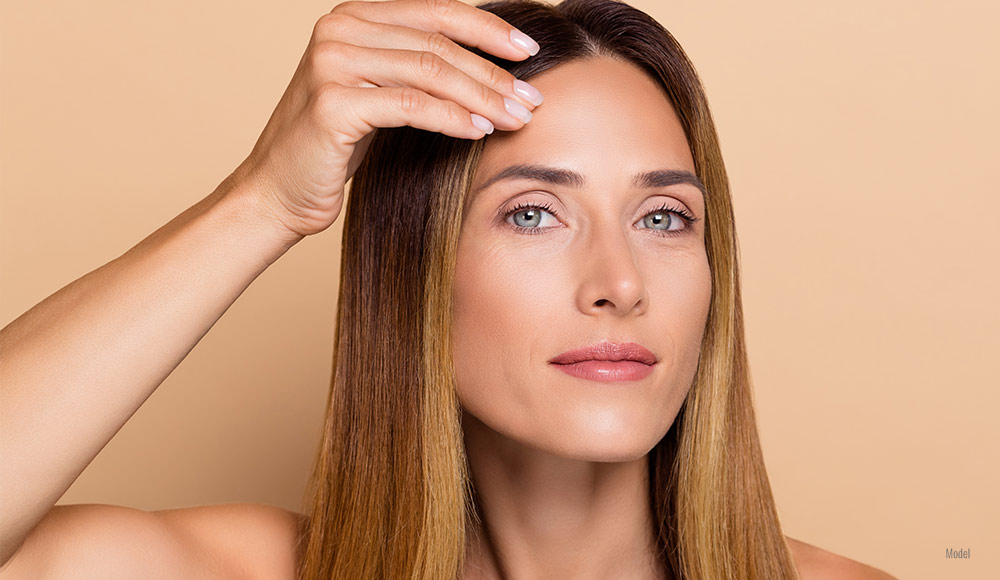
(530, 93)
(524, 42)
(517, 110)
(482, 123)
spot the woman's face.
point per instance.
(581, 261)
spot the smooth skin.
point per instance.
(74, 371)
(560, 461)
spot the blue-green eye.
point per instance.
(531, 216)
(668, 217)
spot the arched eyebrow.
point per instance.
(569, 178)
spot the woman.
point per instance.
(539, 364)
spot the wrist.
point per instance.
(243, 202)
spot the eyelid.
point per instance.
(686, 217)
(506, 214)
(670, 205)
(511, 205)
(681, 210)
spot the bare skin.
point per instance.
(559, 461)
(79, 364)
(233, 542)
(71, 351)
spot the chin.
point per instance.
(602, 439)
(600, 435)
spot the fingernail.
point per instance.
(530, 93)
(517, 109)
(523, 41)
(482, 123)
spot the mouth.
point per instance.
(607, 361)
(609, 352)
(607, 371)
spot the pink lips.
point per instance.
(607, 361)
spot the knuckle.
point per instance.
(429, 64)
(439, 8)
(327, 95)
(345, 7)
(324, 26)
(332, 24)
(488, 95)
(456, 115)
(437, 43)
(323, 53)
(409, 100)
(497, 77)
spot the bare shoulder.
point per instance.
(251, 541)
(218, 542)
(814, 563)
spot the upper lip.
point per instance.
(609, 351)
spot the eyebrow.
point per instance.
(569, 178)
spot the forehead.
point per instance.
(603, 118)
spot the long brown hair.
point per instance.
(390, 496)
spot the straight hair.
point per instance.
(390, 495)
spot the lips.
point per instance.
(607, 351)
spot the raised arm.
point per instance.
(77, 365)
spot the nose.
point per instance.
(610, 279)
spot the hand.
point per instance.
(378, 64)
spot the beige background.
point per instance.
(862, 142)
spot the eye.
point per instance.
(530, 217)
(668, 217)
(674, 220)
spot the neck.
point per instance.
(544, 516)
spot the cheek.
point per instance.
(500, 305)
(690, 294)
(503, 288)
(688, 300)
(680, 295)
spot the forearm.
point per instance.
(77, 365)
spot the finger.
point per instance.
(360, 66)
(465, 24)
(364, 33)
(364, 110)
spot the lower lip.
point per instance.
(608, 371)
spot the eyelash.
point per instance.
(684, 214)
